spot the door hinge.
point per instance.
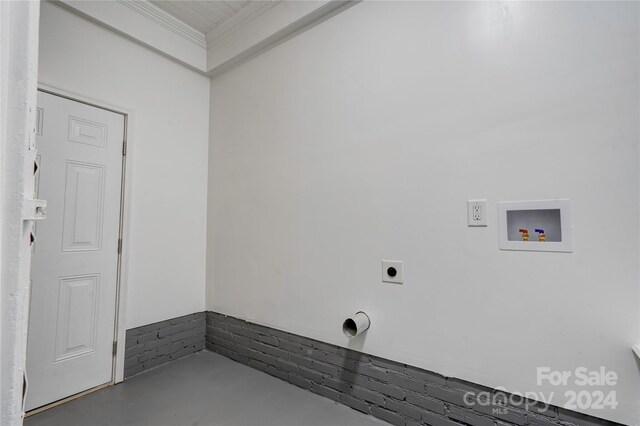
(115, 348)
(124, 147)
(119, 245)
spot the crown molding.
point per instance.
(242, 18)
(169, 22)
(252, 30)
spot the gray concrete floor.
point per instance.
(202, 389)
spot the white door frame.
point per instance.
(18, 71)
(125, 218)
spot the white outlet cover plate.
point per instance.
(398, 278)
(477, 219)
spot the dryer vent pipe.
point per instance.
(356, 324)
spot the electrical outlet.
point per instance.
(477, 212)
(392, 271)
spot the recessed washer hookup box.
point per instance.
(543, 225)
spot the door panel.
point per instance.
(82, 223)
(76, 325)
(89, 132)
(74, 264)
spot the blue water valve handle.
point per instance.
(540, 231)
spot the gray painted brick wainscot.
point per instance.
(397, 393)
(155, 344)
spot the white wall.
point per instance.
(361, 140)
(168, 149)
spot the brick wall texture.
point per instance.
(397, 393)
(155, 344)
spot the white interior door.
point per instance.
(75, 257)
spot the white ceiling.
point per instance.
(203, 15)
